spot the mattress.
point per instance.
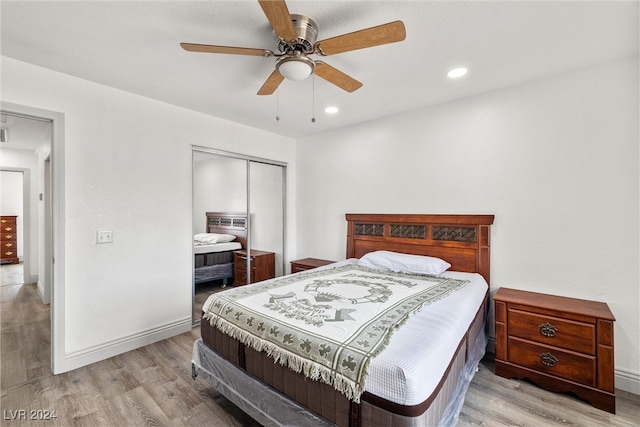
(217, 247)
(433, 335)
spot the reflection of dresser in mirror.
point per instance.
(9, 239)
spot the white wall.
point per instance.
(127, 168)
(555, 160)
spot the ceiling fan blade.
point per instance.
(374, 36)
(207, 48)
(279, 18)
(337, 77)
(272, 83)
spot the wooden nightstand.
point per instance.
(263, 266)
(308, 264)
(562, 344)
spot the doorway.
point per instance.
(254, 189)
(43, 212)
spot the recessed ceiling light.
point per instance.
(457, 73)
(331, 110)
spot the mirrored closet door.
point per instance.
(238, 222)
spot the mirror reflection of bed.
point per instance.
(225, 233)
(230, 183)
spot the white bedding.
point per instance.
(216, 247)
(410, 377)
(433, 335)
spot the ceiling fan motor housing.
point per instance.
(307, 31)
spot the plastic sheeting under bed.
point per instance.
(271, 408)
(259, 401)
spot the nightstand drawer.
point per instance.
(553, 361)
(241, 276)
(553, 331)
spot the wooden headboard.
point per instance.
(461, 240)
(228, 223)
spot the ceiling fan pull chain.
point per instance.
(277, 105)
(313, 98)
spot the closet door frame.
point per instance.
(248, 160)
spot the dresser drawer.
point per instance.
(8, 253)
(8, 237)
(576, 367)
(8, 245)
(8, 228)
(553, 331)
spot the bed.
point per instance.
(213, 251)
(443, 344)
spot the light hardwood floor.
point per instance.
(152, 386)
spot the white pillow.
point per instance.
(213, 238)
(395, 261)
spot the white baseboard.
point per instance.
(112, 348)
(42, 293)
(625, 379)
(628, 381)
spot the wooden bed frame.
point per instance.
(228, 223)
(462, 240)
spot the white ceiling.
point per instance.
(25, 133)
(134, 46)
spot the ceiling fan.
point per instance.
(297, 40)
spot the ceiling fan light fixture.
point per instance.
(296, 67)
(456, 73)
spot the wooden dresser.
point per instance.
(307, 264)
(263, 266)
(9, 239)
(562, 344)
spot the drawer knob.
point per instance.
(8, 245)
(548, 359)
(8, 228)
(548, 330)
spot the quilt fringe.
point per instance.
(285, 358)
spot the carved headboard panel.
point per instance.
(461, 240)
(228, 223)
